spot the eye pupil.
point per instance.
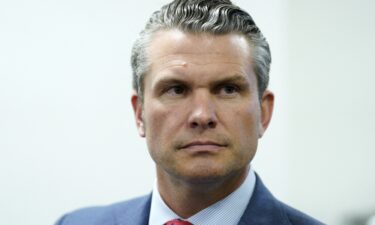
(178, 90)
(229, 89)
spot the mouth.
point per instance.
(203, 146)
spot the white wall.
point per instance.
(67, 135)
(332, 109)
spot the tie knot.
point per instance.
(178, 222)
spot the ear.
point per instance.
(137, 108)
(266, 111)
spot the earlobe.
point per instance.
(137, 108)
(266, 111)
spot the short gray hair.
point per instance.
(217, 17)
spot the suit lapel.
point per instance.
(135, 212)
(263, 208)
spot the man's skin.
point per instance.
(201, 115)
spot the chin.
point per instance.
(203, 174)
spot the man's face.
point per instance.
(201, 113)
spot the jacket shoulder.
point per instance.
(265, 209)
(109, 214)
(297, 217)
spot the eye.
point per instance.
(176, 90)
(228, 90)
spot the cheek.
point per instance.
(245, 122)
(248, 132)
(154, 121)
(242, 114)
(160, 123)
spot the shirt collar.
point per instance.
(226, 211)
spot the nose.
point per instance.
(203, 112)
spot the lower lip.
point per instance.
(204, 148)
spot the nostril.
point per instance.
(211, 124)
(194, 124)
(205, 125)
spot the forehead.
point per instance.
(203, 57)
(169, 43)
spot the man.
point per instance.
(201, 101)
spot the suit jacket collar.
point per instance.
(263, 209)
(137, 214)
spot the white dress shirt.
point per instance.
(227, 211)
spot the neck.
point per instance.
(186, 198)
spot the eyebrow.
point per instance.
(169, 80)
(236, 78)
(232, 79)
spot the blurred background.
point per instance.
(67, 133)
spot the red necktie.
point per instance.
(178, 222)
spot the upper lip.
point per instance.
(195, 143)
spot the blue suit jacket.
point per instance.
(263, 209)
